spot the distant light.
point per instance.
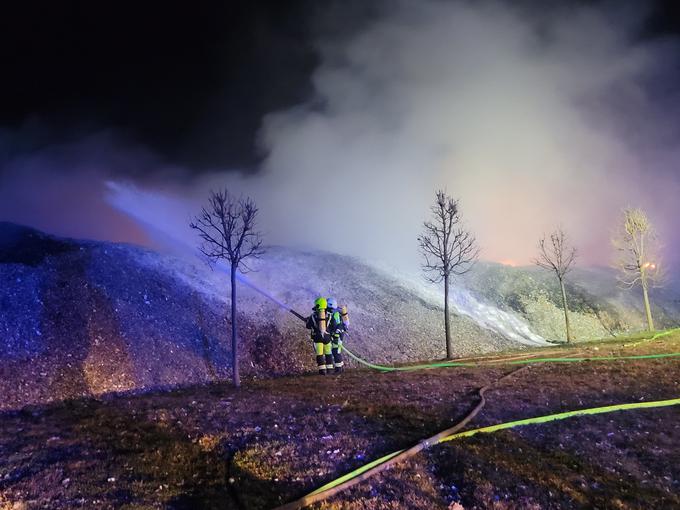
(508, 262)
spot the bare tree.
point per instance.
(559, 257)
(638, 249)
(227, 229)
(448, 248)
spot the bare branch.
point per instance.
(227, 228)
(447, 247)
(557, 255)
(639, 259)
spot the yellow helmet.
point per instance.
(320, 303)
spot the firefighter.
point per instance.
(316, 323)
(336, 329)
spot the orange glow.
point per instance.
(508, 262)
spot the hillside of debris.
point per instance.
(85, 318)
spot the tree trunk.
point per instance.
(447, 324)
(648, 310)
(234, 342)
(566, 312)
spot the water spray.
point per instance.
(178, 245)
(223, 267)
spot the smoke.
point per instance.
(532, 119)
(61, 189)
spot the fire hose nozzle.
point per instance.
(297, 315)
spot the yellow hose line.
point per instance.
(500, 426)
(563, 416)
(506, 425)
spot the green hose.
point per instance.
(355, 473)
(444, 364)
(506, 425)
(511, 424)
(384, 368)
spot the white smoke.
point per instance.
(532, 120)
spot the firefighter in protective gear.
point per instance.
(316, 323)
(336, 329)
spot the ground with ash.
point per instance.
(211, 446)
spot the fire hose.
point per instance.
(445, 364)
(354, 477)
(360, 474)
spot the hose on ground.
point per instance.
(444, 364)
(382, 463)
(375, 467)
(350, 479)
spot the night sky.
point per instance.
(190, 81)
(177, 97)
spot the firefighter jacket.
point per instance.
(312, 324)
(335, 325)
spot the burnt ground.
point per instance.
(277, 439)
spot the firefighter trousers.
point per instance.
(324, 356)
(336, 349)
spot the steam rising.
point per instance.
(532, 120)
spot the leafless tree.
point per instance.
(449, 250)
(638, 259)
(556, 255)
(227, 227)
